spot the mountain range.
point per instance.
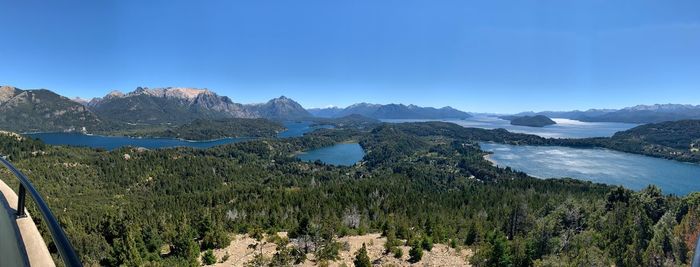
(180, 105)
(390, 111)
(44, 110)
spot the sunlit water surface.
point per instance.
(598, 165)
(564, 128)
(345, 154)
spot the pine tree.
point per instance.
(361, 258)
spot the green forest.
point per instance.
(419, 183)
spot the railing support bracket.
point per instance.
(20, 202)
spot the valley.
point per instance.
(350, 133)
(429, 177)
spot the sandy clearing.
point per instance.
(240, 253)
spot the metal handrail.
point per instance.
(65, 249)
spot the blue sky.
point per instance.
(487, 56)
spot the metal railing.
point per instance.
(63, 245)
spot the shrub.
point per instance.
(398, 253)
(208, 258)
(427, 244)
(416, 253)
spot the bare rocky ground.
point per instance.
(240, 252)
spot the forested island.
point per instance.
(532, 121)
(419, 184)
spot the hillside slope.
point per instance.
(42, 110)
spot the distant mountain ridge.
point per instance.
(574, 114)
(391, 111)
(653, 113)
(636, 114)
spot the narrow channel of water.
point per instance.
(294, 129)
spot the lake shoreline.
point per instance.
(488, 158)
(142, 137)
(339, 154)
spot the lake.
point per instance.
(345, 154)
(564, 128)
(294, 129)
(598, 165)
(299, 128)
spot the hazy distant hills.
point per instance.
(652, 113)
(42, 110)
(178, 105)
(636, 114)
(574, 115)
(391, 111)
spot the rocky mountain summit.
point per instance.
(164, 105)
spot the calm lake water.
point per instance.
(598, 165)
(299, 128)
(339, 154)
(564, 128)
(111, 142)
